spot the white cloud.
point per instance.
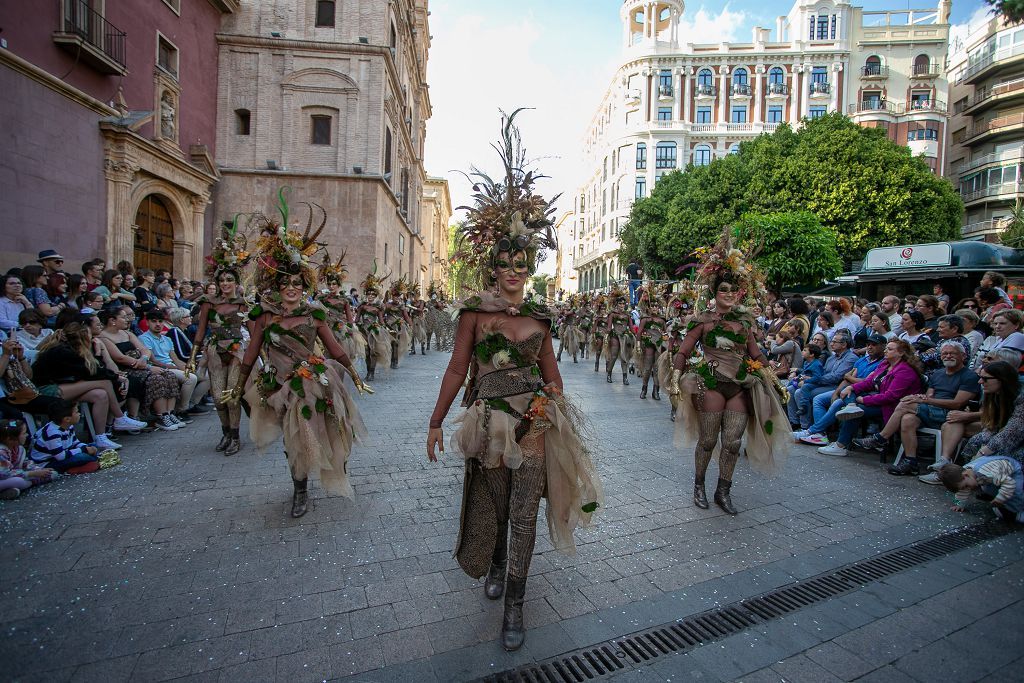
(710, 27)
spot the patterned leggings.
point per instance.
(223, 378)
(517, 496)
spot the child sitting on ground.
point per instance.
(996, 479)
(17, 471)
(812, 369)
(56, 445)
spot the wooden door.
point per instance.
(154, 236)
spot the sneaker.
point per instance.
(937, 465)
(104, 442)
(904, 467)
(182, 418)
(166, 423)
(833, 449)
(208, 401)
(127, 424)
(197, 409)
(875, 442)
(799, 435)
(930, 478)
(815, 439)
(9, 494)
(850, 412)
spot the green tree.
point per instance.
(539, 283)
(793, 248)
(1013, 227)
(461, 277)
(1013, 10)
(867, 190)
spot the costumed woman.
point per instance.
(370, 320)
(221, 334)
(418, 313)
(597, 331)
(298, 394)
(397, 321)
(731, 390)
(440, 325)
(339, 310)
(619, 340)
(651, 332)
(520, 436)
(569, 334)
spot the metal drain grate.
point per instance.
(637, 649)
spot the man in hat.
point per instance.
(51, 261)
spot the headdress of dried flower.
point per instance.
(281, 251)
(724, 262)
(332, 271)
(229, 252)
(373, 282)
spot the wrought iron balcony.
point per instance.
(872, 105)
(820, 88)
(929, 70)
(874, 71)
(740, 89)
(705, 90)
(664, 91)
(85, 33)
(778, 89)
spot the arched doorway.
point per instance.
(154, 235)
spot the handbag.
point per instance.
(478, 523)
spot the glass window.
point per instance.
(705, 77)
(823, 27)
(872, 99)
(776, 76)
(703, 114)
(665, 155)
(664, 113)
(665, 78)
(819, 74)
(325, 13)
(739, 77)
(387, 150)
(641, 155)
(641, 187)
(701, 155)
(775, 114)
(321, 130)
(817, 111)
(734, 148)
(739, 114)
(872, 66)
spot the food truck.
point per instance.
(914, 268)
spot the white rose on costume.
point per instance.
(724, 344)
(323, 380)
(501, 359)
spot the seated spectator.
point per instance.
(210, 290)
(811, 369)
(149, 387)
(997, 281)
(1006, 326)
(878, 395)
(35, 287)
(843, 316)
(91, 302)
(800, 318)
(909, 302)
(75, 289)
(125, 268)
(32, 332)
(1001, 416)
(991, 302)
(880, 324)
(111, 291)
(836, 366)
(165, 299)
(129, 283)
(891, 307)
(821, 340)
(67, 368)
(56, 446)
(975, 337)
(180, 320)
(950, 328)
(912, 324)
(949, 388)
(12, 303)
(928, 306)
(185, 293)
(824, 323)
(144, 287)
(969, 303)
(93, 275)
(50, 261)
(994, 479)
(940, 295)
(782, 354)
(825, 406)
(20, 395)
(780, 316)
(164, 356)
(860, 337)
(18, 472)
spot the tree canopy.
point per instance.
(793, 248)
(865, 189)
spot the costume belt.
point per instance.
(507, 382)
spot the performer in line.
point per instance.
(598, 331)
(397, 322)
(339, 310)
(519, 434)
(568, 334)
(220, 330)
(298, 394)
(440, 325)
(651, 332)
(732, 390)
(585, 318)
(370, 320)
(619, 339)
(418, 314)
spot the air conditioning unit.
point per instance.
(358, 170)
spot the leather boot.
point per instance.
(643, 391)
(700, 498)
(656, 393)
(225, 439)
(299, 497)
(609, 378)
(574, 359)
(235, 444)
(423, 349)
(494, 584)
(722, 497)
(513, 632)
(672, 415)
(394, 363)
(597, 364)
(710, 426)
(625, 378)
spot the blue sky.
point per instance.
(557, 56)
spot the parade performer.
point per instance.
(598, 330)
(298, 394)
(651, 332)
(418, 313)
(676, 329)
(619, 339)
(585, 323)
(221, 334)
(339, 309)
(397, 321)
(440, 325)
(520, 435)
(370, 320)
(730, 388)
(568, 334)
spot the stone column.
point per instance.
(723, 94)
(119, 173)
(756, 116)
(684, 93)
(837, 73)
(188, 252)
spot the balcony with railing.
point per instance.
(981, 64)
(1006, 190)
(778, 90)
(874, 72)
(665, 92)
(872, 106)
(1010, 155)
(984, 130)
(983, 98)
(926, 70)
(83, 32)
(924, 105)
(992, 225)
(740, 90)
(705, 90)
(820, 88)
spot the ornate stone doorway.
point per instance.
(154, 235)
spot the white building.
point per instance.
(671, 104)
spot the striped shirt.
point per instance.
(53, 443)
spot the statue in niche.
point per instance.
(167, 114)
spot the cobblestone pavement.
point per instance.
(183, 564)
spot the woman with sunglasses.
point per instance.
(619, 341)
(298, 394)
(397, 321)
(597, 332)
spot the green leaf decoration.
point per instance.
(307, 413)
(255, 312)
(590, 507)
(296, 383)
(321, 405)
(320, 314)
(769, 427)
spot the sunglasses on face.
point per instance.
(518, 265)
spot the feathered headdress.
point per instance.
(284, 251)
(617, 295)
(725, 262)
(332, 271)
(435, 289)
(506, 215)
(229, 251)
(373, 282)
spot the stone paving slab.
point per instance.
(183, 564)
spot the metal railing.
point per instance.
(874, 71)
(991, 158)
(926, 105)
(820, 88)
(706, 90)
(778, 89)
(664, 91)
(742, 89)
(83, 21)
(872, 106)
(929, 69)
(992, 224)
(993, 191)
(982, 94)
(995, 124)
(994, 56)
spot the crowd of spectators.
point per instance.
(872, 375)
(110, 342)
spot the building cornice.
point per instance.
(119, 134)
(55, 84)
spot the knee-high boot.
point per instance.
(494, 584)
(733, 425)
(513, 631)
(299, 497)
(710, 426)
